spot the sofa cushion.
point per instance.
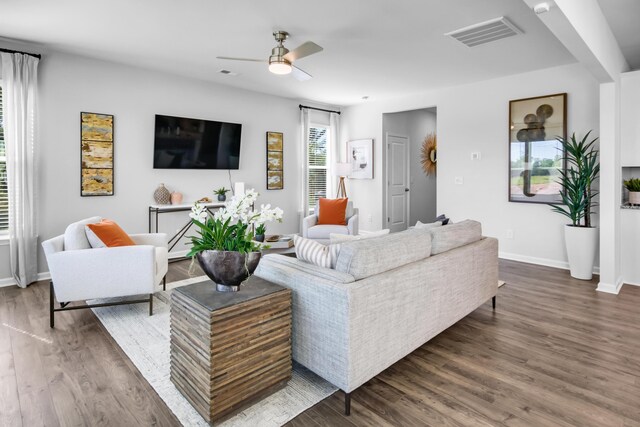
(428, 225)
(316, 253)
(343, 238)
(75, 237)
(366, 258)
(332, 211)
(443, 218)
(348, 214)
(108, 234)
(454, 235)
(324, 231)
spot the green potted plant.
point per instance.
(222, 194)
(224, 247)
(633, 185)
(261, 229)
(578, 200)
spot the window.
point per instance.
(317, 166)
(4, 196)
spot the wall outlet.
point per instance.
(509, 234)
(476, 155)
(369, 219)
(458, 180)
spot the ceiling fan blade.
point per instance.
(300, 75)
(227, 58)
(305, 49)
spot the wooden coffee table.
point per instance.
(229, 348)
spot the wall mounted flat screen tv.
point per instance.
(182, 143)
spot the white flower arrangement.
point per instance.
(230, 228)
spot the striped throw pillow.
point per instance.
(316, 253)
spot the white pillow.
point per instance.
(343, 238)
(316, 253)
(428, 225)
(94, 240)
(75, 237)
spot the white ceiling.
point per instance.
(377, 48)
(623, 17)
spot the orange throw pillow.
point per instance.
(332, 211)
(110, 233)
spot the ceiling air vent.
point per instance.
(485, 32)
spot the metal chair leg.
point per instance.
(493, 302)
(150, 304)
(51, 312)
(347, 404)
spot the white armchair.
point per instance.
(81, 273)
(320, 233)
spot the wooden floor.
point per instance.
(554, 353)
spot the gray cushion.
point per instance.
(428, 225)
(454, 235)
(323, 231)
(75, 237)
(366, 258)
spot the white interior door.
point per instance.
(397, 182)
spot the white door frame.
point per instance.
(385, 184)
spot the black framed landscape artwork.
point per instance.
(535, 155)
(96, 139)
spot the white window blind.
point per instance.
(317, 166)
(4, 196)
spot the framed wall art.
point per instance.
(360, 156)
(96, 154)
(275, 161)
(536, 157)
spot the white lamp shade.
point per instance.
(342, 169)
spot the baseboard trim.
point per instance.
(10, 281)
(631, 283)
(178, 254)
(610, 288)
(540, 261)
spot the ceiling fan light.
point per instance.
(279, 66)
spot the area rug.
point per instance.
(145, 340)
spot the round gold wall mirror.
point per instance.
(429, 155)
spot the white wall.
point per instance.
(70, 84)
(630, 157)
(416, 125)
(474, 117)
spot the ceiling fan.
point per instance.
(281, 59)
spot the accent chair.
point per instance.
(80, 272)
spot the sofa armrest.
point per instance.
(320, 311)
(102, 273)
(153, 239)
(53, 245)
(352, 224)
(308, 222)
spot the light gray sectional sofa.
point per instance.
(386, 297)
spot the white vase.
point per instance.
(634, 197)
(581, 244)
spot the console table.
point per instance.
(156, 210)
(230, 348)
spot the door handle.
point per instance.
(406, 189)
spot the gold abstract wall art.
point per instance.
(96, 143)
(275, 161)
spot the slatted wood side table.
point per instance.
(230, 348)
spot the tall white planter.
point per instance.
(582, 244)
